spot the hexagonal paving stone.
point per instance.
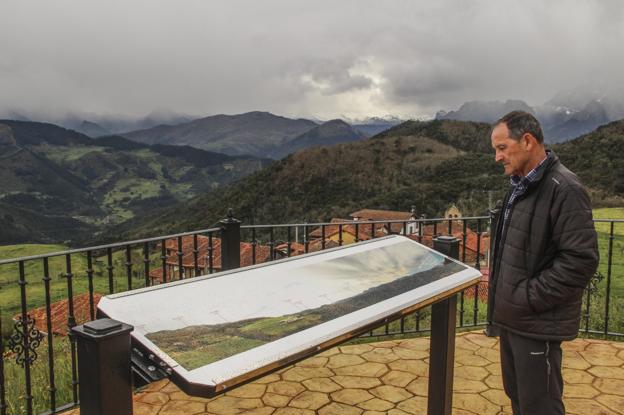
(358, 382)
(183, 407)
(494, 381)
(329, 352)
(417, 367)
(140, 408)
(335, 408)
(273, 377)
(298, 374)
(414, 405)
(419, 386)
(321, 385)
(251, 390)
(496, 396)
(480, 340)
(380, 355)
(607, 372)
(416, 344)
(351, 396)
(341, 360)
(576, 376)
(293, 411)
(275, 400)
(468, 386)
(476, 404)
(471, 372)
(391, 393)
(366, 369)
(577, 345)
(494, 368)
(574, 360)
(154, 398)
(314, 362)
(470, 359)
(585, 407)
(613, 402)
(410, 354)
(387, 343)
(285, 388)
(601, 357)
(461, 342)
(309, 400)
(493, 355)
(579, 391)
(376, 404)
(357, 349)
(228, 404)
(259, 411)
(609, 386)
(398, 378)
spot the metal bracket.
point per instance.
(147, 368)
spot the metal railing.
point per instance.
(43, 296)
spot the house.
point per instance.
(391, 216)
(208, 257)
(452, 213)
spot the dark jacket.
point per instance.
(550, 252)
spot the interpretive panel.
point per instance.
(221, 330)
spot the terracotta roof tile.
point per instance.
(373, 214)
(59, 312)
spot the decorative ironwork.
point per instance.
(17, 342)
(592, 287)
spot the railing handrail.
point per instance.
(100, 247)
(280, 225)
(365, 222)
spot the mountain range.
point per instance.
(260, 134)
(58, 184)
(567, 115)
(429, 165)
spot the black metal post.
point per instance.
(104, 367)
(442, 342)
(230, 242)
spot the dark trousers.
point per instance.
(532, 374)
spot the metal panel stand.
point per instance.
(442, 357)
(104, 367)
(442, 342)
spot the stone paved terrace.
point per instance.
(390, 377)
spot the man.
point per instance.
(544, 254)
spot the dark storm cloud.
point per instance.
(298, 58)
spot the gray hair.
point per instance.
(520, 123)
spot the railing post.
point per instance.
(104, 367)
(230, 242)
(442, 342)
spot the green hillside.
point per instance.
(59, 185)
(426, 164)
(395, 170)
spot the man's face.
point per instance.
(513, 154)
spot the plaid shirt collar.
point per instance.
(521, 183)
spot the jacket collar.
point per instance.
(548, 164)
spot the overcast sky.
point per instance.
(321, 59)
